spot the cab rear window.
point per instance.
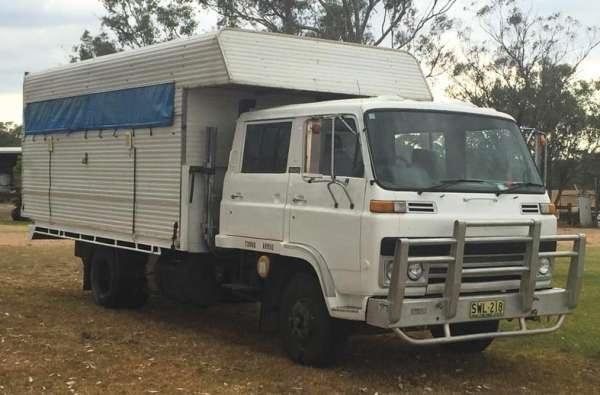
(266, 147)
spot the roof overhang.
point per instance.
(238, 57)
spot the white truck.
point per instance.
(317, 178)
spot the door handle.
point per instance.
(237, 195)
(299, 199)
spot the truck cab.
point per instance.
(410, 214)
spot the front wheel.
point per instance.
(468, 328)
(310, 336)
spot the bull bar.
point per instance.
(399, 313)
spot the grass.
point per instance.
(5, 219)
(581, 333)
(10, 222)
(53, 339)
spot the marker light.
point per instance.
(263, 266)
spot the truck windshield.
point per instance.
(444, 151)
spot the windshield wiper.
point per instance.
(446, 183)
(518, 185)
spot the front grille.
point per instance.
(477, 255)
(437, 273)
(388, 245)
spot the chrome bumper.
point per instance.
(398, 313)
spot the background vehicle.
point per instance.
(10, 186)
(178, 162)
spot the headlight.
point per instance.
(415, 271)
(544, 268)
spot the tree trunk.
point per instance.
(558, 196)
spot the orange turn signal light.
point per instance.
(387, 206)
(548, 208)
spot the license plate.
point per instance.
(487, 309)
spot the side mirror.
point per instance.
(538, 143)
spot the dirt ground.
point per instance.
(14, 233)
(54, 339)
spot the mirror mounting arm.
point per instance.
(343, 186)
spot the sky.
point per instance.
(38, 34)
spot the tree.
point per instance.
(351, 21)
(10, 134)
(137, 23)
(527, 68)
(398, 24)
(93, 46)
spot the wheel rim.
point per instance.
(301, 320)
(102, 276)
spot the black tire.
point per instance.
(468, 328)
(310, 336)
(118, 278)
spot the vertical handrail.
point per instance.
(453, 282)
(528, 279)
(50, 151)
(134, 186)
(210, 164)
(398, 280)
(576, 271)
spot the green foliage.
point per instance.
(527, 68)
(401, 24)
(578, 334)
(290, 16)
(350, 21)
(10, 134)
(137, 23)
(92, 46)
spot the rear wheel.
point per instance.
(468, 328)
(15, 214)
(118, 278)
(310, 336)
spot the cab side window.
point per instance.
(346, 148)
(266, 147)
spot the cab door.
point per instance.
(255, 189)
(325, 204)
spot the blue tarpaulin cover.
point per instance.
(149, 106)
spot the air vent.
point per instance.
(421, 207)
(530, 208)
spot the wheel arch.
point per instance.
(316, 262)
